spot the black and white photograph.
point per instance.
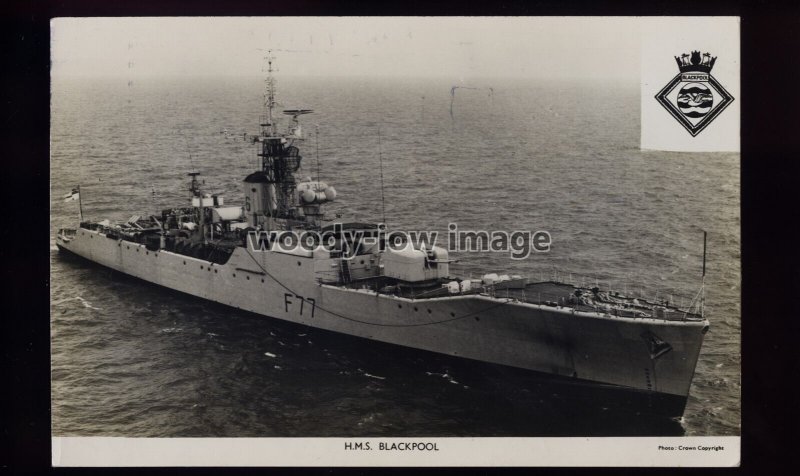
(396, 234)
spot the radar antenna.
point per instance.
(295, 131)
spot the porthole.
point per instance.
(477, 318)
(299, 263)
(262, 280)
(362, 261)
(429, 311)
(147, 252)
(248, 278)
(184, 263)
(126, 246)
(234, 275)
(137, 250)
(452, 314)
(201, 267)
(415, 309)
(215, 270)
(400, 306)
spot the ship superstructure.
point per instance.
(235, 255)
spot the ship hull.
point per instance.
(575, 349)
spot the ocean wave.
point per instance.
(694, 114)
(83, 301)
(685, 104)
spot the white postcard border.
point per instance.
(705, 451)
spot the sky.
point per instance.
(454, 47)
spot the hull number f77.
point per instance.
(287, 301)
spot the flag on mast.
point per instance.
(73, 195)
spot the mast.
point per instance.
(316, 144)
(380, 159)
(280, 159)
(276, 197)
(705, 235)
(195, 186)
(703, 284)
(80, 205)
(197, 193)
(268, 128)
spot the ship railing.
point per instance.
(336, 276)
(666, 297)
(645, 309)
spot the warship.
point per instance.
(247, 257)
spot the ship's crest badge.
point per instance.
(693, 97)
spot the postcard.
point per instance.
(395, 241)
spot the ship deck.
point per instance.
(562, 295)
(556, 294)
